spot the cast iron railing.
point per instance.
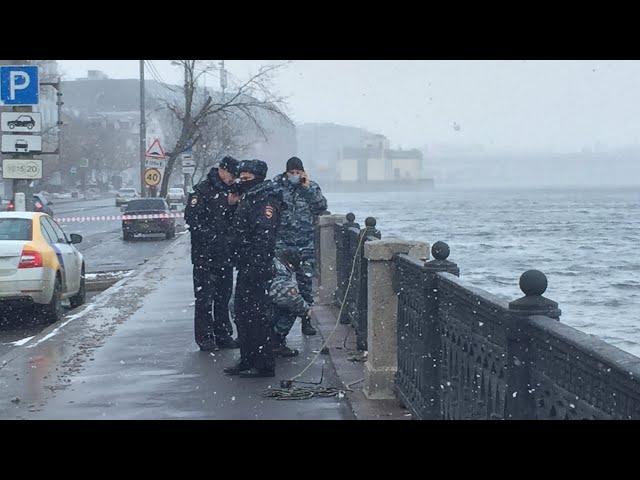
(349, 257)
(466, 354)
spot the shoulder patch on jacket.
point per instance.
(194, 200)
(268, 211)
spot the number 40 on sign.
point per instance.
(152, 177)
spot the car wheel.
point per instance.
(170, 234)
(11, 126)
(52, 312)
(80, 297)
(127, 237)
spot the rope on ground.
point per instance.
(288, 391)
(303, 393)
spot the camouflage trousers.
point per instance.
(283, 320)
(304, 263)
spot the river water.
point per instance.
(585, 240)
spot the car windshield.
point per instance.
(146, 204)
(15, 229)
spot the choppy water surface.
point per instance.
(586, 242)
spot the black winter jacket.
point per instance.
(255, 225)
(209, 217)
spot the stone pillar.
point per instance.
(382, 305)
(328, 273)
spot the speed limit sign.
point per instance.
(152, 177)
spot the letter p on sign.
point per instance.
(19, 85)
(15, 84)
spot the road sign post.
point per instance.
(19, 85)
(152, 177)
(21, 169)
(21, 143)
(20, 89)
(21, 122)
(155, 158)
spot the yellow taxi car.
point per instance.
(39, 264)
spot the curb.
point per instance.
(102, 297)
(351, 372)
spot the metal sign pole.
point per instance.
(143, 131)
(22, 186)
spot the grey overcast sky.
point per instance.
(524, 105)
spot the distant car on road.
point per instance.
(36, 203)
(39, 264)
(124, 195)
(22, 121)
(42, 204)
(175, 195)
(148, 206)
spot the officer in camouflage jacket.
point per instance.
(305, 202)
(288, 302)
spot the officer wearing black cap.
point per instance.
(305, 202)
(254, 229)
(209, 214)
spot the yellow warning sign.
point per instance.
(152, 177)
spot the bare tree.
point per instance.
(219, 137)
(246, 101)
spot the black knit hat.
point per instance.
(257, 167)
(294, 163)
(229, 164)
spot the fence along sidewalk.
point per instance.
(464, 353)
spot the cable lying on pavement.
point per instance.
(287, 390)
(303, 393)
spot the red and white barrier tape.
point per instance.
(109, 218)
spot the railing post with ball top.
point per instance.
(520, 400)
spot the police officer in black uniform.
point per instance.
(209, 214)
(254, 228)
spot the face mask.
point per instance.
(235, 186)
(244, 187)
(294, 179)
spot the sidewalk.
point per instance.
(131, 355)
(349, 365)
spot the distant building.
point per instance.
(279, 145)
(376, 162)
(342, 156)
(320, 146)
(116, 104)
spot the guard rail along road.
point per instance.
(447, 350)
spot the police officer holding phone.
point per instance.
(304, 201)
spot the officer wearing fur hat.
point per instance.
(255, 224)
(305, 202)
(209, 214)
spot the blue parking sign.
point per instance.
(19, 85)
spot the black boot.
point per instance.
(227, 343)
(307, 329)
(257, 373)
(237, 368)
(208, 347)
(283, 350)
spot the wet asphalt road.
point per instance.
(102, 244)
(134, 357)
(103, 249)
